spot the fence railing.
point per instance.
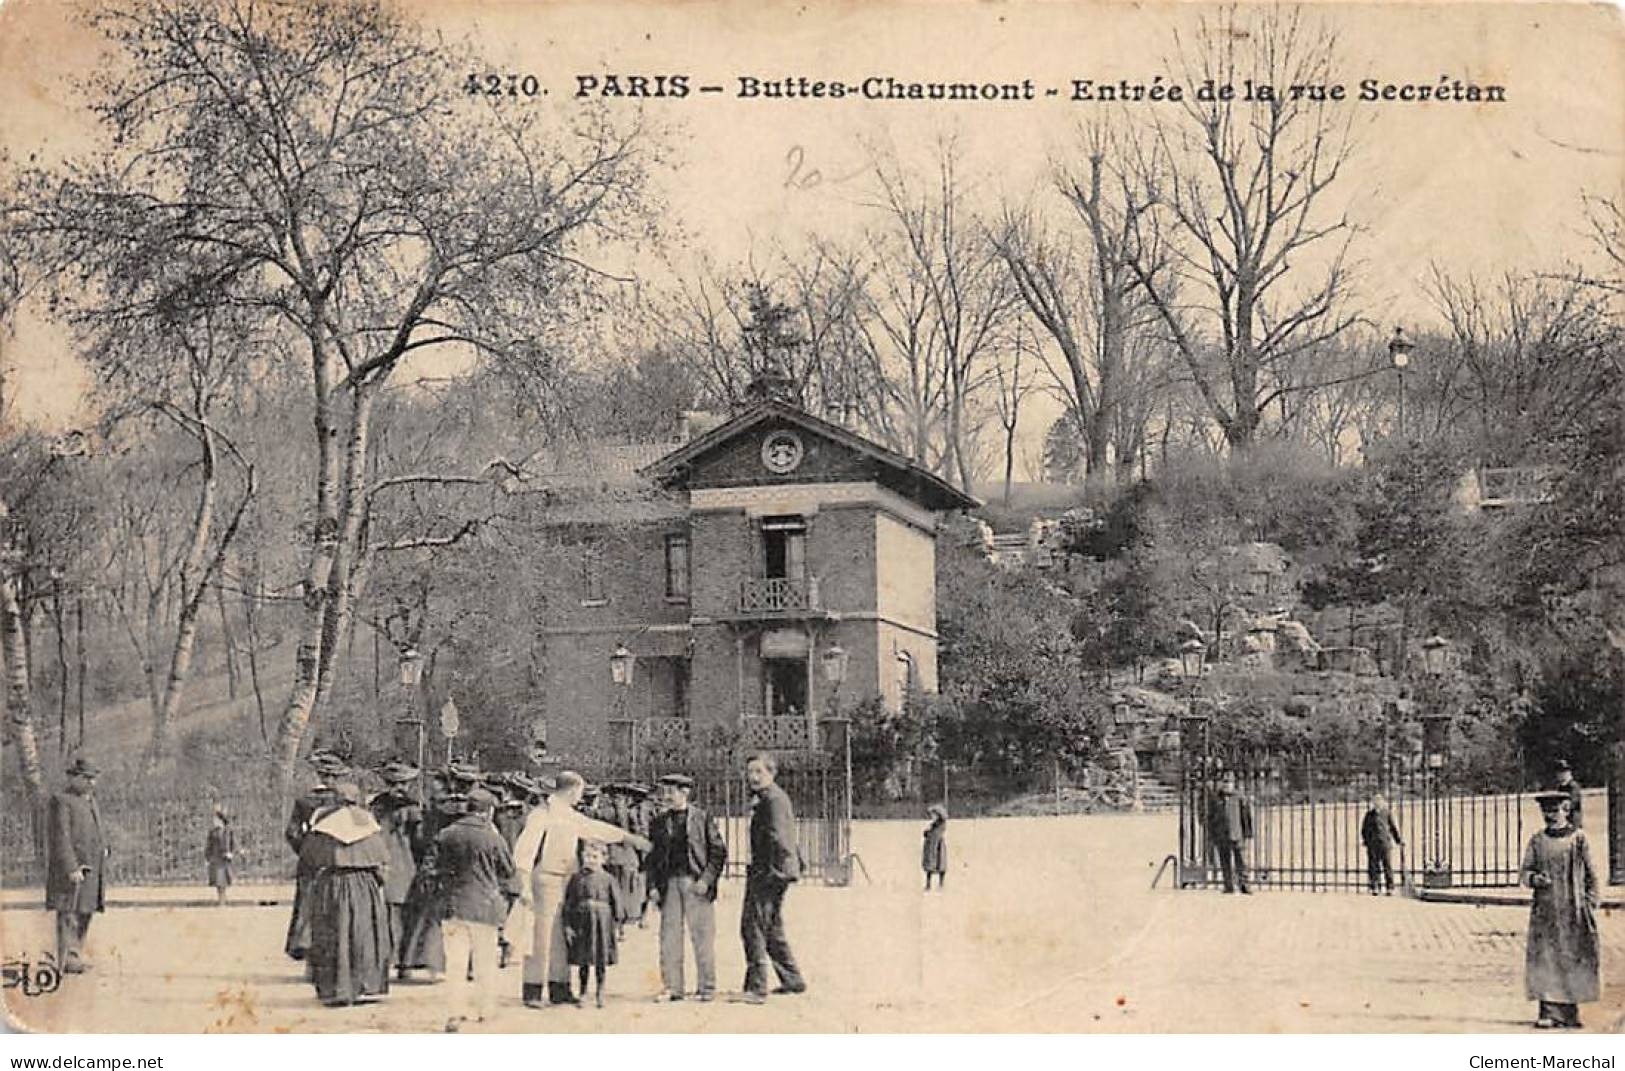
(777, 595)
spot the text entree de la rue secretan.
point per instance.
(1446, 89)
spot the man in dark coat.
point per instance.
(684, 867)
(474, 865)
(1380, 833)
(329, 768)
(75, 882)
(1229, 827)
(399, 814)
(1568, 785)
(775, 863)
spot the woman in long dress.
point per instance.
(350, 941)
(1561, 968)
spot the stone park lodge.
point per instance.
(710, 584)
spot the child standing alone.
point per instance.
(934, 853)
(592, 906)
(219, 851)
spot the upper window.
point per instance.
(784, 548)
(592, 574)
(677, 571)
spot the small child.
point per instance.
(219, 851)
(592, 904)
(934, 853)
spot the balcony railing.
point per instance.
(779, 734)
(778, 595)
(666, 732)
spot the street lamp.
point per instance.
(1435, 755)
(1193, 755)
(410, 669)
(621, 662)
(1399, 355)
(834, 662)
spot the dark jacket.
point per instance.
(472, 864)
(74, 840)
(400, 816)
(1377, 833)
(934, 848)
(705, 853)
(773, 851)
(1218, 817)
(1575, 800)
(299, 819)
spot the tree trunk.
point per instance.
(62, 675)
(229, 641)
(251, 626)
(79, 647)
(341, 580)
(324, 545)
(191, 589)
(19, 694)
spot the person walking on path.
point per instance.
(592, 913)
(934, 852)
(1380, 833)
(76, 874)
(1567, 784)
(475, 866)
(328, 768)
(219, 851)
(1230, 827)
(774, 865)
(1561, 962)
(399, 815)
(349, 922)
(684, 866)
(545, 855)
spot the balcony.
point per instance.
(779, 734)
(779, 597)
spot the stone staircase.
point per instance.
(1157, 794)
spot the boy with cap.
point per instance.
(684, 866)
(473, 865)
(75, 881)
(1561, 959)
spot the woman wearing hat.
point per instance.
(1561, 961)
(398, 813)
(219, 850)
(349, 922)
(934, 850)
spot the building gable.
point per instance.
(776, 444)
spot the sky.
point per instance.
(1474, 187)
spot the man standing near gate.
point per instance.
(774, 864)
(1229, 827)
(75, 884)
(1380, 833)
(684, 868)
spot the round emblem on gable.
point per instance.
(782, 452)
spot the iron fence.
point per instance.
(1307, 824)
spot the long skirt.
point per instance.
(298, 942)
(423, 947)
(349, 923)
(590, 934)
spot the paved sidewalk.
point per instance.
(1046, 925)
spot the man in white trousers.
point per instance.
(545, 854)
(473, 865)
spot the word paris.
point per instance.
(1446, 89)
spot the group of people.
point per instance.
(1562, 963)
(489, 865)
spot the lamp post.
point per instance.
(411, 672)
(834, 664)
(621, 665)
(1193, 754)
(1436, 874)
(1399, 355)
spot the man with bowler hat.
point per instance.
(1568, 785)
(684, 867)
(75, 882)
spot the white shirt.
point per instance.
(555, 830)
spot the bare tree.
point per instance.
(1012, 391)
(1243, 183)
(968, 295)
(321, 157)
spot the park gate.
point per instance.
(1307, 816)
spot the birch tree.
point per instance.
(320, 155)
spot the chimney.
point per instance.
(684, 426)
